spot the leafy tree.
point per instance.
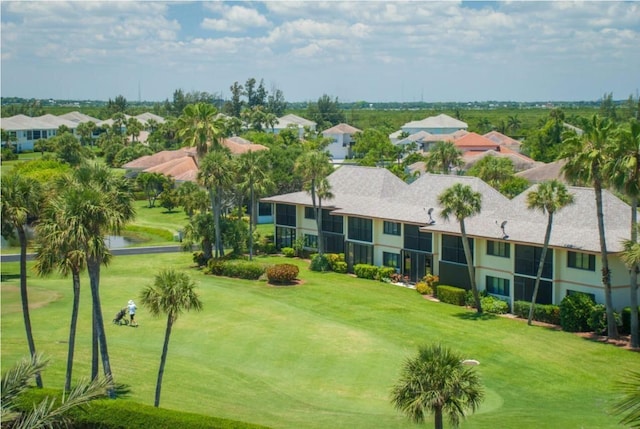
(372, 147)
(484, 125)
(200, 229)
(493, 170)
(276, 103)
(442, 157)
(314, 167)
(119, 105)
(179, 102)
(461, 202)
(587, 157)
(436, 381)
(85, 131)
(22, 199)
(192, 198)
(171, 293)
(608, 107)
(514, 124)
(623, 168)
(68, 149)
(169, 197)
(549, 197)
(326, 112)
(514, 186)
(48, 413)
(152, 184)
(234, 107)
(134, 127)
(545, 143)
(631, 257)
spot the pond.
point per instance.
(112, 241)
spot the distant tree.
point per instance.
(119, 105)
(152, 184)
(442, 157)
(234, 106)
(192, 198)
(514, 186)
(134, 127)
(493, 170)
(373, 147)
(171, 293)
(201, 127)
(514, 124)
(68, 149)
(179, 102)
(276, 103)
(436, 381)
(85, 131)
(169, 197)
(325, 112)
(484, 125)
(545, 143)
(200, 230)
(608, 107)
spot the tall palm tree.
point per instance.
(624, 171)
(253, 170)
(514, 123)
(548, 197)
(200, 126)
(107, 208)
(22, 198)
(631, 257)
(462, 202)
(436, 381)
(313, 167)
(587, 157)
(216, 175)
(61, 238)
(171, 293)
(442, 157)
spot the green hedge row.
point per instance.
(451, 295)
(248, 270)
(546, 313)
(126, 414)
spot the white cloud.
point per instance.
(235, 19)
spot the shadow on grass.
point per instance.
(8, 277)
(473, 315)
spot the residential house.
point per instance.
(292, 121)
(375, 218)
(440, 124)
(342, 139)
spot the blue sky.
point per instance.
(359, 50)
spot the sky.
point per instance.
(372, 51)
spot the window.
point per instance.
(360, 229)
(452, 249)
(332, 223)
(309, 213)
(416, 240)
(285, 237)
(528, 258)
(390, 259)
(264, 209)
(360, 253)
(333, 243)
(37, 134)
(523, 290)
(582, 261)
(498, 248)
(285, 214)
(29, 135)
(497, 286)
(590, 295)
(311, 241)
(392, 228)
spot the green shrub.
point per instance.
(8, 155)
(384, 273)
(334, 259)
(423, 288)
(598, 319)
(451, 294)
(243, 269)
(546, 313)
(288, 252)
(575, 310)
(366, 271)
(199, 259)
(340, 267)
(492, 305)
(282, 273)
(215, 266)
(625, 329)
(320, 263)
(470, 301)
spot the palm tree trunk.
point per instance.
(94, 346)
(252, 214)
(438, 418)
(547, 237)
(318, 211)
(93, 265)
(218, 215)
(472, 271)
(163, 359)
(24, 297)
(633, 281)
(612, 328)
(72, 329)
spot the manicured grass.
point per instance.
(321, 354)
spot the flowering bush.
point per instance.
(282, 273)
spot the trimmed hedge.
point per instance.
(320, 263)
(492, 305)
(423, 288)
(288, 252)
(126, 414)
(243, 269)
(340, 267)
(384, 273)
(451, 295)
(366, 271)
(546, 313)
(282, 273)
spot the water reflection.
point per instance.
(117, 241)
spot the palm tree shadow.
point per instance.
(8, 277)
(469, 315)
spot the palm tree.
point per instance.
(107, 208)
(171, 294)
(313, 167)
(200, 126)
(252, 169)
(48, 413)
(629, 403)
(217, 176)
(61, 238)
(462, 202)
(442, 157)
(624, 171)
(514, 123)
(549, 197)
(21, 201)
(631, 257)
(587, 157)
(436, 381)
(493, 170)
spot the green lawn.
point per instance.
(321, 354)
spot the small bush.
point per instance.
(366, 271)
(431, 280)
(243, 270)
(451, 295)
(423, 288)
(470, 301)
(575, 311)
(282, 273)
(320, 263)
(625, 315)
(8, 155)
(340, 267)
(215, 266)
(384, 273)
(334, 258)
(288, 252)
(546, 313)
(598, 319)
(492, 305)
(199, 259)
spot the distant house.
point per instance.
(440, 124)
(503, 140)
(475, 142)
(425, 140)
(542, 172)
(25, 130)
(292, 121)
(342, 140)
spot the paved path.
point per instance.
(115, 252)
